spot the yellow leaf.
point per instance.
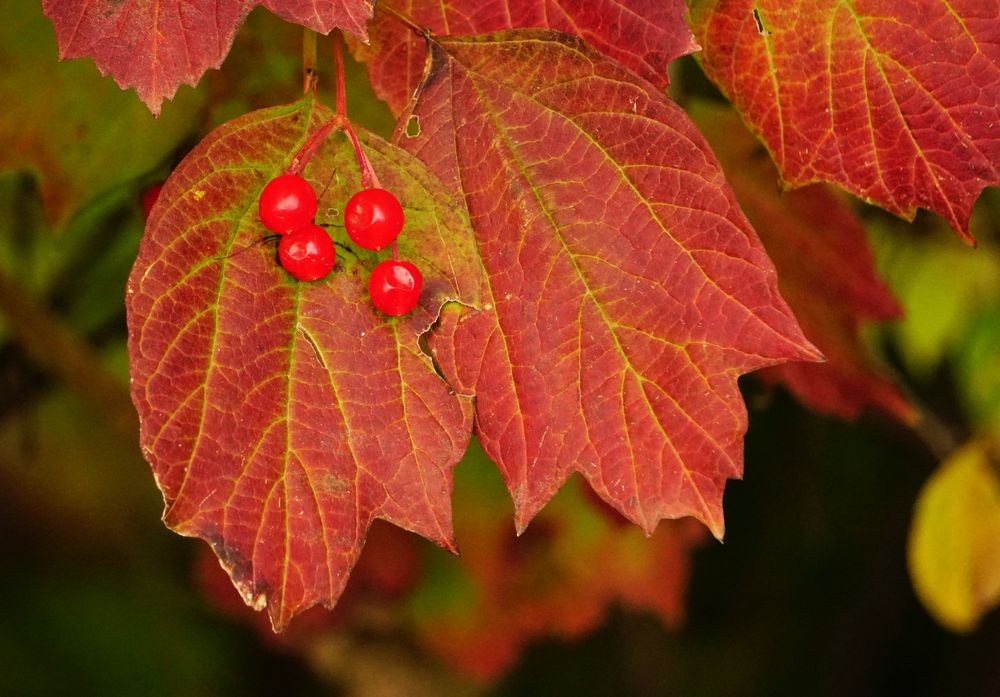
(954, 546)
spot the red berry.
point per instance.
(287, 203)
(149, 197)
(394, 286)
(307, 253)
(373, 218)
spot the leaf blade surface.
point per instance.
(280, 417)
(896, 102)
(826, 271)
(159, 45)
(626, 291)
(645, 35)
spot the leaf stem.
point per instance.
(310, 75)
(934, 433)
(340, 120)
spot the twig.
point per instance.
(64, 355)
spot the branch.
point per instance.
(65, 356)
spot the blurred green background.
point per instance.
(809, 595)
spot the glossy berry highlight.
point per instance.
(394, 286)
(307, 253)
(287, 203)
(373, 218)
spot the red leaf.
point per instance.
(156, 45)
(825, 271)
(897, 101)
(551, 583)
(281, 417)
(559, 579)
(627, 292)
(645, 35)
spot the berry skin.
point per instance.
(394, 286)
(373, 218)
(287, 203)
(307, 253)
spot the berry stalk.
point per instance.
(306, 152)
(341, 82)
(368, 177)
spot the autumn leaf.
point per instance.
(281, 417)
(898, 102)
(954, 545)
(158, 45)
(825, 270)
(626, 291)
(645, 35)
(480, 610)
(77, 132)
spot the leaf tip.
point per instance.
(526, 509)
(806, 351)
(278, 617)
(717, 528)
(154, 104)
(521, 522)
(451, 545)
(715, 524)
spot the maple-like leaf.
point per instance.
(954, 545)
(645, 35)
(626, 291)
(480, 610)
(825, 271)
(282, 417)
(157, 45)
(898, 101)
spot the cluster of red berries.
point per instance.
(373, 218)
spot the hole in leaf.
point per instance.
(425, 346)
(424, 339)
(413, 126)
(761, 29)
